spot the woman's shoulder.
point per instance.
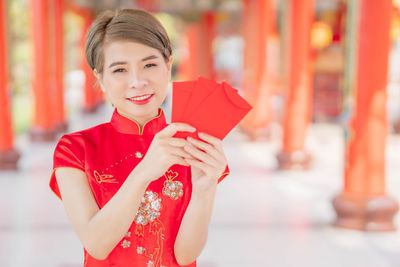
(94, 130)
(85, 135)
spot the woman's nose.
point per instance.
(137, 80)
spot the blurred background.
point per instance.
(315, 176)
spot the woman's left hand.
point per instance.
(209, 161)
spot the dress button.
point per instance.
(138, 155)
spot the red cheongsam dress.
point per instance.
(107, 153)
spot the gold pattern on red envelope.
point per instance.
(172, 189)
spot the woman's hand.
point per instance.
(208, 161)
(165, 151)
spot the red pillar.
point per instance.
(44, 125)
(8, 155)
(93, 95)
(199, 37)
(148, 5)
(188, 66)
(257, 25)
(298, 106)
(363, 204)
(207, 36)
(58, 107)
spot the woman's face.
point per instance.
(135, 79)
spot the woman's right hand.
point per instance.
(165, 151)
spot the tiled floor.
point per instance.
(262, 217)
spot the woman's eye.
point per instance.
(150, 65)
(118, 70)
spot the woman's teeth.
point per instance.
(140, 98)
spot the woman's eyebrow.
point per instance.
(149, 57)
(124, 62)
(117, 63)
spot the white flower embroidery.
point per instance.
(149, 209)
(173, 189)
(140, 250)
(126, 244)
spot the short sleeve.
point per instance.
(225, 174)
(69, 152)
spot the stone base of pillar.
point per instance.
(62, 127)
(261, 134)
(9, 159)
(296, 160)
(396, 127)
(365, 213)
(92, 109)
(38, 134)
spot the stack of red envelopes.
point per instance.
(210, 107)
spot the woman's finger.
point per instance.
(171, 129)
(177, 142)
(179, 160)
(210, 149)
(200, 155)
(177, 151)
(198, 164)
(217, 143)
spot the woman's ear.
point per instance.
(98, 76)
(170, 61)
(169, 66)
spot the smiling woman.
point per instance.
(134, 194)
(130, 53)
(135, 84)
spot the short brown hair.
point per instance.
(125, 24)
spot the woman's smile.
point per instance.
(141, 100)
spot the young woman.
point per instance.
(134, 194)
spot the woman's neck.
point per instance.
(141, 121)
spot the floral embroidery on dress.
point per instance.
(104, 178)
(126, 244)
(140, 250)
(149, 208)
(147, 217)
(172, 189)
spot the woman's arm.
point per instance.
(100, 230)
(207, 167)
(193, 232)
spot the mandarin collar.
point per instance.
(127, 126)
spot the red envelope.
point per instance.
(180, 98)
(222, 111)
(201, 90)
(211, 107)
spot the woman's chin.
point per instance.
(141, 111)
